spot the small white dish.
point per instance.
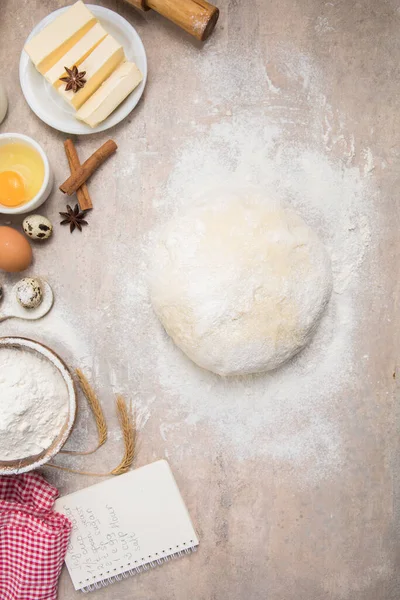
(11, 308)
(50, 107)
(43, 193)
(3, 103)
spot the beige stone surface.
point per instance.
(272, 526)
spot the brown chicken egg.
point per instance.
(15, 251)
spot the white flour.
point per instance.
(33, 403)
(295, 146)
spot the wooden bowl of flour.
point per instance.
(64, 423)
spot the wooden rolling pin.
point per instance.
(197, 17)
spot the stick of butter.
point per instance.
(50, 44)
(98, 66)
(110, 94)
(76, 55)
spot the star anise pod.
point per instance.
(74, 80)
(74, 217)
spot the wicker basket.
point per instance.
(33, 462)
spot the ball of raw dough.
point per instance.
(240, 284)
(29, 292)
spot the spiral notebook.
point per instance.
(126, 525)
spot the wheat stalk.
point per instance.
(98, 414)
(127, 421)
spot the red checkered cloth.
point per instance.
(33, 538)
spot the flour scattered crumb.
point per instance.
(369, 160)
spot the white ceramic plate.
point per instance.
(48, 105)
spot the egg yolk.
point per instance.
(12, 188)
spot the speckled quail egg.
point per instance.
(29, 292)
(37, 227)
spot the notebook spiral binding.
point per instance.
(135, 571)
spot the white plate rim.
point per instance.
(81, 129)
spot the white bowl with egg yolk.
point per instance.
(43, 193)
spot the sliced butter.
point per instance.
(50, 44)
(98, 66)
(110, 94)
(76, 55)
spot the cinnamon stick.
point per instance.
(78, 177)
(82, 193)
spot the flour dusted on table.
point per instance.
(287, 137)
(33, 404)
